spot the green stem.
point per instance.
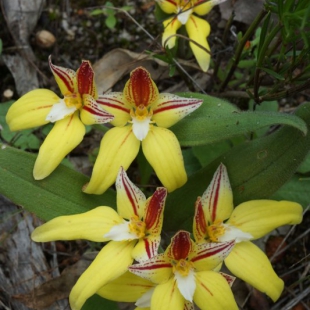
(241, 45)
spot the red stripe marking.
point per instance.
(130, 194)
(108, 104)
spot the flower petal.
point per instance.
(91, 225)
(213, 292)
(65, 78)
(162, 150)
(60, 111)
(115, 104)
(181, 246)
(167, 296)
(157, 269)
(93, 113)
(168, 6)
(171, 26)
(217, 200)
(203, 7)
(186, 284)
(144, 302)
(210, 255)
(85, 80)
(140, 89)
(61, 140)
(130, 199)
(259, 217)
(154, 211)
(31, 109)
(120, 232)
(171, 108)
(198, 29)
(119, 147)
(247, 262)
(111, 262)
(126, 288)
(146, 248)
(230, 279)
(199, 224)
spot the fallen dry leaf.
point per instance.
(44, 295)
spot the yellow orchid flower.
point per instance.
(184, 275)
(217, 220)
(134, 232)
(70, 114)
(142, 116)
(197, 28)
(131, 288)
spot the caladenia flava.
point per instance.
(77, 108)
(184, 13)
(184, 274)
(216, 220)
(133, 231)
(141, 117)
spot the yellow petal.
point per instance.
(247, 262)
(213, 292)
(171, 26)
(130, 199)
(115, 104)
(31, 109)
(91, 225)
(259, 217)
(204, 7)
(126, 288)
(167, 296)
(119, 147)
(167, 6)
(162, 150)
(157, 269)
(146, 248)
(65, 78)
(217, 200)
(170, 109)
(198, 29)
(93, 113)
(61, 140)
(111, 262)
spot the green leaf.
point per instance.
(59, 194)
(296, 189)
(110, 21)
(218, 120)
(305, 165)
(273, 73)
(257, 169)
(191, 163)
(96, 302)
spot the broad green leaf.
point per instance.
(218, 120)
(191, 162)
(305, 165)
(96, 302)
(296, 189)
(257, 169)
(59, 194)
(207, 153)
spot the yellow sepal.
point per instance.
(31, 109)
(61, 140)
